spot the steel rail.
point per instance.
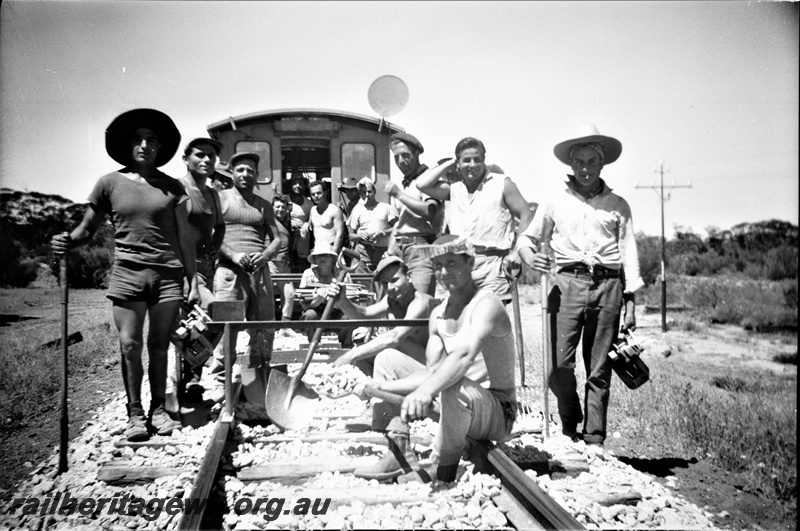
(545, 510)
(207, 473)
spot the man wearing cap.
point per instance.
(242, 272)
(370, 226)
(153, 254)
(469, 369)
(397, 352)
(222, 178)
(348, 196)
(590, 231)
(419, 215)
(207, 229)
(486, 207)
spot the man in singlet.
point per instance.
(327, 221)
(207, 230)
(242, 272)
(397, 352)
(470, 324)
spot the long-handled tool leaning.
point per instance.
(62, 278)
(525, 398)
(290, 404)
(547, 351)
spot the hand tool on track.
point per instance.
(525, 396)
(64, 444)
(290, 403)
(547, 350)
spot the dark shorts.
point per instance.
(132, 282)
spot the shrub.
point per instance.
(781, 263)
(16, 271)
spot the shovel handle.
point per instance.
(386, 396)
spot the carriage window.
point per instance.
(358, 161)
(264, 165)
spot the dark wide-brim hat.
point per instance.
(120, 132)
(589, 134)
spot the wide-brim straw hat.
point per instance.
(120, 132)
(312, 258)
(589, 134)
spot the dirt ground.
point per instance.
(720, 492)
(27, 444)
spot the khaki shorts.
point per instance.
(132, 282)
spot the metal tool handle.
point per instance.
(518, 329)
(62, 276)
(546, 354)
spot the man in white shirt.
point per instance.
(590, 231)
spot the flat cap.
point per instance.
(244, 155)
(409, 140)
(383, 264)
(204, 140)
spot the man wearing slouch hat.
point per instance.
(590, 231)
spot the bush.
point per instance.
(16, 271)
(781, 263)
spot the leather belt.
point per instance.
(583, 271)
(489, 251)
(415, 238)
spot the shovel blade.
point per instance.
(254, 383)
(287, 411)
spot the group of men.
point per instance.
(461, 369)
(468, 228)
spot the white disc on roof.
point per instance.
(387, 95)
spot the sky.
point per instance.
(709, 88)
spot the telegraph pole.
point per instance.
(661, 169)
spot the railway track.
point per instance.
(231, 469)
(257, 470)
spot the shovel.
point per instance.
(290, 403)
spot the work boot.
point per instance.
(136, 429)
(400, 458)
(159, 420)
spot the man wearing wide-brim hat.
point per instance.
(590, 231)
(321, 274)
(153, 254)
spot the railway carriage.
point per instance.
(332, 146)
